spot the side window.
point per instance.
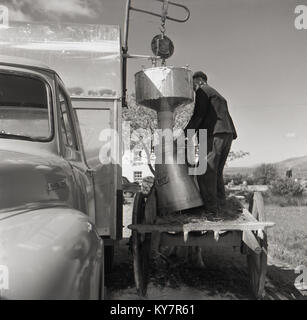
(66, 122)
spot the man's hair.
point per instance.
(200, 74)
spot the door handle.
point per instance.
(61, 184)
(90, 171)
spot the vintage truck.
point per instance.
(60, 202)
(47, 189)
(60, 154)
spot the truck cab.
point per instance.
(60, 191)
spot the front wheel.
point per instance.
(257, 263)
(141, 244)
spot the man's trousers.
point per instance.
(211, 184)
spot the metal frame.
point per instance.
(164, 16)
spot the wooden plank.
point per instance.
(248, 216)
(258, 212)
(246, 222)
(259, 204)
(202, 226)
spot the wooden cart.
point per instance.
(247, 232)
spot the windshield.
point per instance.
(24, 110)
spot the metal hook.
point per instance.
(164, 11)
(167, 17)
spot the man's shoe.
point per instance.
(211, 215)
(230, 209)
(194, 211)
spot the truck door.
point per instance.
(96, 116)
(73, 153)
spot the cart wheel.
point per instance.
(257, 263)
(140, 246)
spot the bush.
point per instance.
(285, 201)
(286, 187)
(265, 174)
(285, 193)
(238, 179)
(250, 181)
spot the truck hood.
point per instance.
(27, 178)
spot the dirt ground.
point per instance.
(223, 277)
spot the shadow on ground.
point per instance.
(224, 277)
(280, 285)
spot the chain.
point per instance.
(163, 17)
(163, 22)
(163, 29)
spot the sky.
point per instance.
(250, 50)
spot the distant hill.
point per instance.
(241, 170)
(298, 165)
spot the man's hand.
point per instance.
(179, 134)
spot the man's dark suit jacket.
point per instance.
(211, 113)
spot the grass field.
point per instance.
(288, 239)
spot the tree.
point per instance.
(265, 174)
(233, 155)
(139, 117)
(145, 118)
(101, 92)
(182, 116)
(76, 91)
(142, 123)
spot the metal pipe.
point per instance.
(125, 51)
(141, 56)
(126, 27)
(167, 17)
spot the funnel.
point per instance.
(163, 89)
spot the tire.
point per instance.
(141, 245)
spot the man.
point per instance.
(211, 113)
(289, 173)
